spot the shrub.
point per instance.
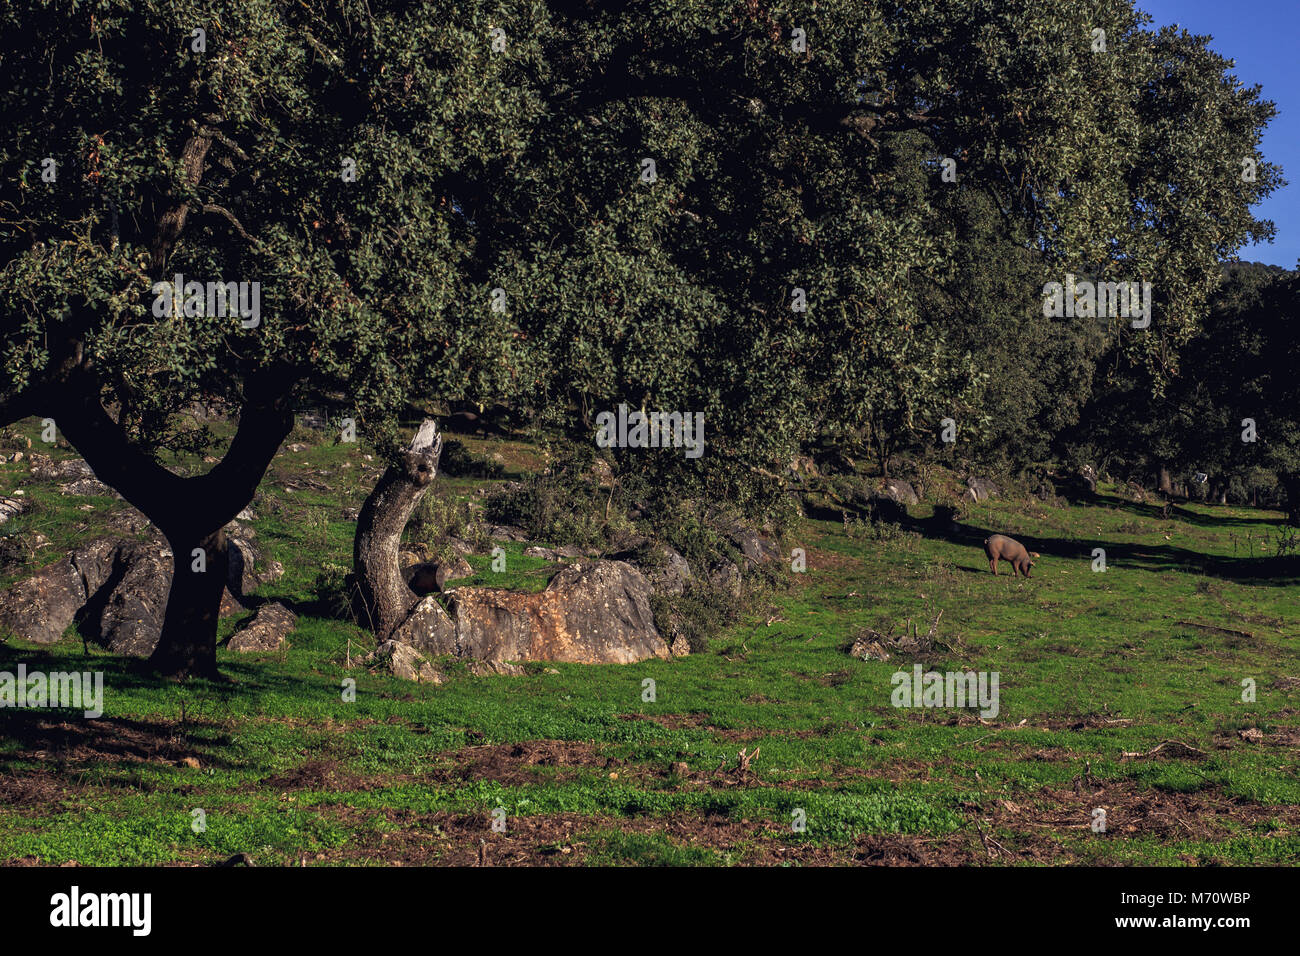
(459, 462)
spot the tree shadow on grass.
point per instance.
(62, 744)
(1255, 522)
(1271, 571)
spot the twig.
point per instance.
(1161, 746)
(1215, 627)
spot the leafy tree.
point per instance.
(795, 147)
(217, 142)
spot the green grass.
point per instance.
(1092, 666)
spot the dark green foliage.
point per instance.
(457, 461)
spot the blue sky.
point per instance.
(1260, 35)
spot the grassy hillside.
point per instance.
(776, 718)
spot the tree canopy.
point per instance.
(911, 173)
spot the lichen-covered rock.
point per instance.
(131, 619)
(41, 608)
(45, 468)
(86, 487)
(266, 630)
(404, 661)
(428, 628)
(900, 492)
(591, 613)
(980, 489)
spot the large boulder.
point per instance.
(428, 628)
(671, 574)
(116, 589)
(590, 613)
(666, 570)
(265, 630)
(900, 492)
(42, 607)
(757, 547)
(404, 661)
(981, 489)
(131, 618)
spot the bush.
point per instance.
(459, 462)
(440, 517)
(563, 506)
(698, 614)
(335, 590)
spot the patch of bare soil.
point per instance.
(321, 775)
(68, 744)
(1040, 827)
(822, 560)
(1029, 828)
(519, 763)
(30, 789)
(674, 721)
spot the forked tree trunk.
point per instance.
(385, 599)
(190, 512)
(188, 644)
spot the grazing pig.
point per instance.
(1008, 549)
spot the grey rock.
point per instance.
(757, 547)
(11, 507)
(900, 492)
(428, 628)
(725, 576)
(404, 661)
(981, 489)
(84, 487)
(266, 630)
(132, 616)
(65, 469)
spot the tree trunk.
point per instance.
(1291, 482)
(188, 644)
(1165, 483)
(190, 512)
(385, 599)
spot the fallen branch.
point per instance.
(1161, 746)
(1215, 627)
